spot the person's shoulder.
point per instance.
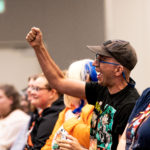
(60, 101)
(145, 97)
(146, 92)
(129, 97)
(143, 101)
(57, 106)
(17, 117)
(20, 112)
(132, 93)
(141, 104)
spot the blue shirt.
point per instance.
(138, 131)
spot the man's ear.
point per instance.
(118, 70)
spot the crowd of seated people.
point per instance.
(94, 106)
(113, 96)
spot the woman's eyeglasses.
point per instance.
(37, 88)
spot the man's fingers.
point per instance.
(35, 30)
(30, 37)
(33, 35)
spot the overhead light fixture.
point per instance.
(2, 6)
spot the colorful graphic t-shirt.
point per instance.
(138, 137)
(110, 115)
(102, 130)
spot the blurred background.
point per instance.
(68, 26)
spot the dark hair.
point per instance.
(11, 92)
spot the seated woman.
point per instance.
(12, 118)
(136, 136)
(75, 119)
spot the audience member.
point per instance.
(21, 139)
(76, 117)
(114, 95)
(136, 135)
(49, 103)
(12, 118)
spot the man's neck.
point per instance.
(117, 87)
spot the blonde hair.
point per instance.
(76, 71)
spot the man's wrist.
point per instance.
(39, 46)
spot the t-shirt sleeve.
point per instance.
(93, 90)
(90, 92)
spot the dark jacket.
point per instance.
(44, 124)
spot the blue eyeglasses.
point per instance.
(98, 61)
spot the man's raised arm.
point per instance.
(50, 69)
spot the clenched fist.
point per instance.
(34, 37)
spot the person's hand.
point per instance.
(70, 143)
(34, 37)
